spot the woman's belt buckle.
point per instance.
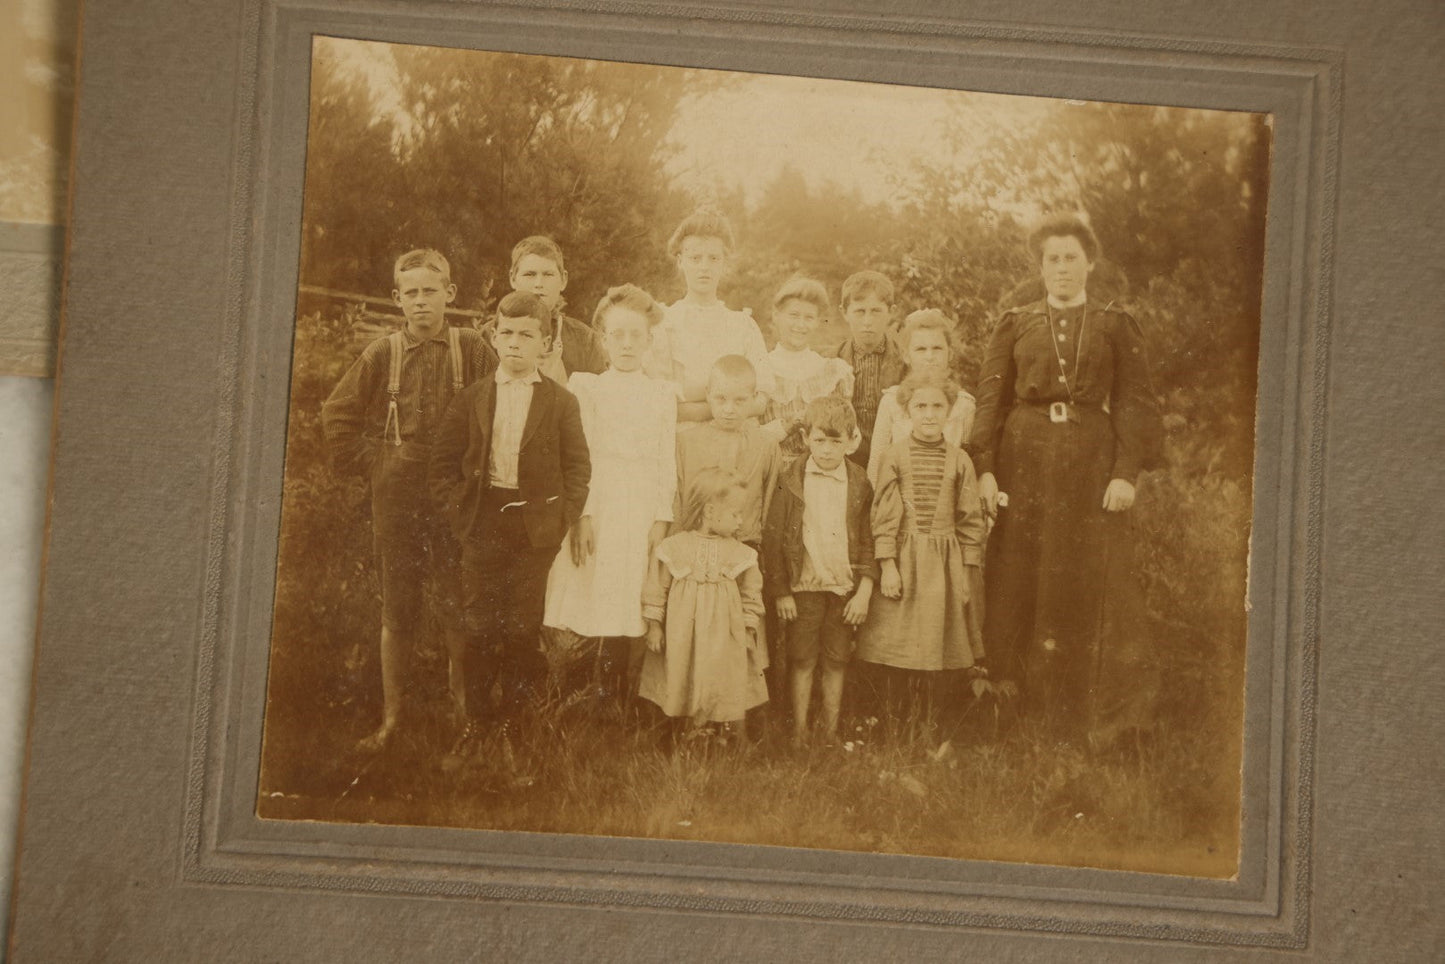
(1058, 412)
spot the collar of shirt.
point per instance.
(839, 473)
(505, 378)
(1073, 302)
(861, 349)
(409, 339)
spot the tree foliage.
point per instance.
(469, 153)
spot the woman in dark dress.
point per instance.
(1066, 420)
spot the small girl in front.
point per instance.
(928, 534)
(699, 328)
(595, 586)
(702, 601)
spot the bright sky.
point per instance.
(849, 133)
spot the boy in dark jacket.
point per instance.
(538, 269)
(818, 558)
(509, 472)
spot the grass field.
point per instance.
(960, 787)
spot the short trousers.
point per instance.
(820, 628)
(415, 552)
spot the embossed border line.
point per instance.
(1267, 904)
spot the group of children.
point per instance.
(725, 524)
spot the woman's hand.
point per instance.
(655, 535)
(654, 636)
(988, 493)
(1119, 495)
(891, 584)
(584, 543)
(787, 608)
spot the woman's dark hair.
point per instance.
(1063, 226)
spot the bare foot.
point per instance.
(378, 740)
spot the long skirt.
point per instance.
(931, 627)
(1064, 614)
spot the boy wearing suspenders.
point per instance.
(379, 422)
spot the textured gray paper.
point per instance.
(138, 841)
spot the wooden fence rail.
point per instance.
(372, 324)
(361, 299)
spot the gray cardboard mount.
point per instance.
(139, 840)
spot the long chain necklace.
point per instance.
(1058, 355)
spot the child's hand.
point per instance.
(988, 493)
(891, 585)
(787, 608)
(583, 541)
(855, 612)
(655, 535)
(654, 637)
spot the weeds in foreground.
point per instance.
(951, 787)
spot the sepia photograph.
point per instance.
(702, 455)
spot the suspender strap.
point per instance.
(396, 346)
(454, 348)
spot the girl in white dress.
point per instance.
(800, 374)
(699, 329)
(595, 587)
(926, 348)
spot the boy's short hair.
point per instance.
(1063, 226)
(701, 224)
(925, 319)
(422, 258)
(799, 288)
(861, 284)
(733, 366)
(631, 297)
(920, 380)
(831, 415)
(523, 304)
(540, 245)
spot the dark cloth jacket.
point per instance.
(553, 466)
(1020, 367)
(783, 529)
(582, 349)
